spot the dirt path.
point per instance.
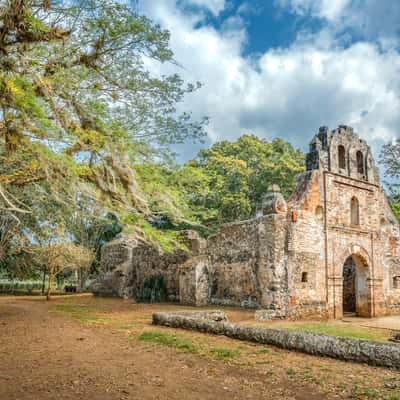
(45, 356)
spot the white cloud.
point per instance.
(376, 20)
(329, 9)
(215, 6)
(287, 92)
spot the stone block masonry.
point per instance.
(360, 351)
(333, 247)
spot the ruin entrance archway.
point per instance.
(356, 290)
(349, 286)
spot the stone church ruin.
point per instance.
(332, 248)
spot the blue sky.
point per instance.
(285, 67)
(267, 24)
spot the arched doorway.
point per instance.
(349, 286)
(356, 291)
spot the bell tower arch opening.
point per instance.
(341, 157)
(360, 162)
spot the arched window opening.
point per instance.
(319, 212)
(341, 157)
(360, 162)
(354, 212)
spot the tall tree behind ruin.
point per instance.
(390, 158)
(239, 174)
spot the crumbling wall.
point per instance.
(148, 261)
(128, 263)
(194, 281)
(233, 259)
(247, 260)
(289, 261)
(115, 267)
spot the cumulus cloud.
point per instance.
(215, 6)
(286, 92)
(329, 9)
(374, 20)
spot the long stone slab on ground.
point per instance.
(360, 351)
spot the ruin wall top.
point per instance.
(342, 151)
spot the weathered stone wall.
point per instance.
(324, 154)
(115, 267)
(305, 251)
(245, 262)
(369, 234)
(233, 264)
(194, 282)
(289, 261)
(127, 263)
(148, 261)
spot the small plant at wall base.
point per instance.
(153, 290)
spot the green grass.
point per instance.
(290, 372)
(169, 340)
(342, 330)
(394, 396)
(223, 354)
(357, 392)
(130, 326)
(371, 393)
(181, 343)
(80, 313)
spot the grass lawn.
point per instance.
(332, 328)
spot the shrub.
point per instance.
(153, 290)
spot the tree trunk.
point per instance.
(44, 280)
(48, 296)
(81, 279)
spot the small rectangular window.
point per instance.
(304, 277)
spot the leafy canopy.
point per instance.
(239, 173)
(79, 107)
(390, 158)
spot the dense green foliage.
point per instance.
(78, 108)
(224, 183)
(390, 158)
(238, 174)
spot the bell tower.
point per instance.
(343, 152)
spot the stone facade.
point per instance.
(333, 245)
